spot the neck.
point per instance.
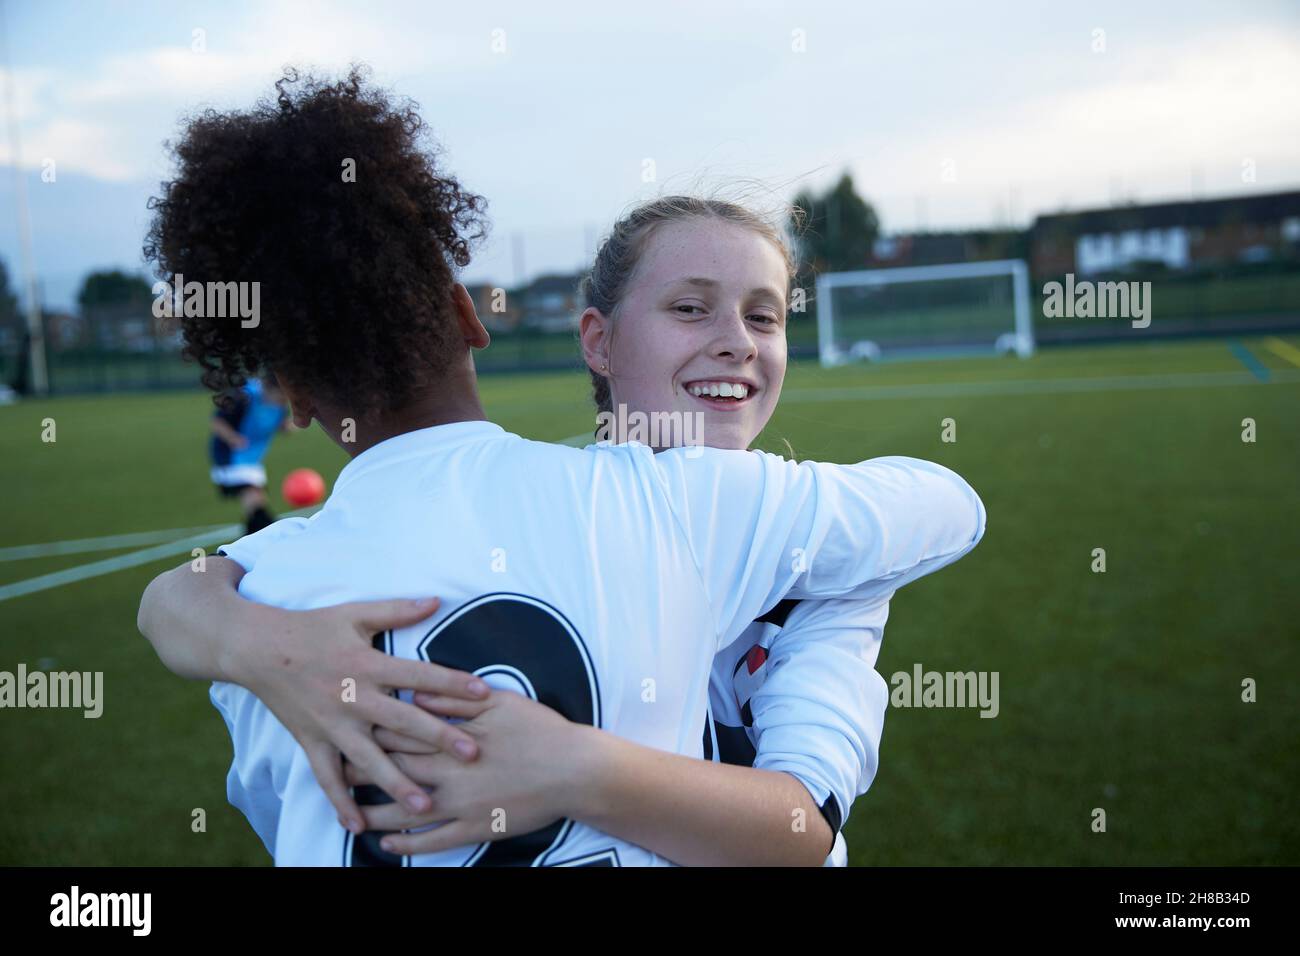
(455, 399)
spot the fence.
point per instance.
(122, 349)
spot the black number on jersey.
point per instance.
(535, 646)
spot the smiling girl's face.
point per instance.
(703, 316)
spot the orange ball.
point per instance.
(303, 487)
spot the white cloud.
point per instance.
(1145, 124)
(109, 119)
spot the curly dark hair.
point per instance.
(356, 276)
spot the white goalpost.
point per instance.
(924, 311)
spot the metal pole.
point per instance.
(35, 331)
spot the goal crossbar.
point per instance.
(1015, 268)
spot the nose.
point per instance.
(734, 340)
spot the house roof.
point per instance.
(567, 284)
(1267, 207)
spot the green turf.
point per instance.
(1118, 691)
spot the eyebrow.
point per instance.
(708, 283)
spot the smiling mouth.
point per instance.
(721, 393)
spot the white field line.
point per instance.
(219, 534)
(108, 543)
(109, 565)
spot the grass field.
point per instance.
(1119, 690)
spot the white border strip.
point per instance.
(107, 543)
(219, 534)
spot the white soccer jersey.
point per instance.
(799, 693)
(600, 584)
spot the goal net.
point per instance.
(924, 311)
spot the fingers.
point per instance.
(393, 816)
(452, 706)
(389, 615)
(423, 769)
(376, 767)
(371, 616)
(391, 740)
(430, 678)
(414, 722)
(452, 834)
(327, 765)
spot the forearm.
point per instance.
(696, 812)
(194, 620)
(222, 430)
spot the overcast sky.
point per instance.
(948, 114)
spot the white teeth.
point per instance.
(720, 389)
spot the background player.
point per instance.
(243, 425)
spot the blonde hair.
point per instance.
(606, 284)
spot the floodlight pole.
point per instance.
(38, 381)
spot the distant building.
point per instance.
(1176, 235)
(63, 330)
(496, 309)
(113, 327)
(550, 303)
(547, 304)
(935, 248)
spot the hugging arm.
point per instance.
(817, 718)
(856, 532)
(819, 713)
(762, 528)
(687, 810)
(700, 813)
(296, 662)
(536, 767)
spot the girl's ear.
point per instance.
(301, 407)
(471, 329)
(594, 333)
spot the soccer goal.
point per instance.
(956, 308)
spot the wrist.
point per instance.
(243, 641)
(591, 774)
